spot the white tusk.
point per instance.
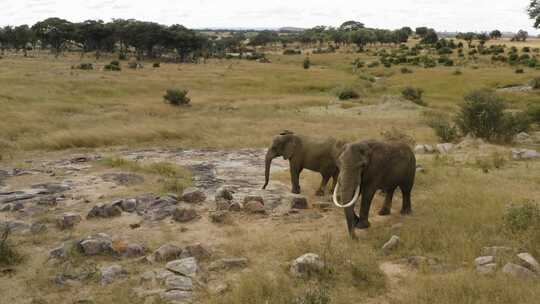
(356, 194)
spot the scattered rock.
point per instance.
(36, 228)
(111, 273)
(197, 251)
(224, 193)
(523, 138)
(528, 261)
(445, 148)
(134, 250)
(486, 268)
(178, 282)
(177, 296)
(518, 271)
(299, 202)
(424, 149)
(222, 204)
(251, 198)
(219, 217)
(496, 250)
(96, 244)
(254, 207)
(123, 179)
(167, 253)
(184, 215)
(483, 260)
(236, 207)
(391, 244)
(524, 154)
(104, 211)
(62, 251)
(185, 267)
(129, 205)
(217, 287)
(68, 220)
(193, 196)
(228, 263)
(307, 265)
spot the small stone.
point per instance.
(104, 211)
(307, 265)
(68, 220)
(424, 149)
(254, 207)
(445, 148)
(228, 263)
(391, 244)
(184, 215)
(129, 205)
(486, 268)
(162, 275)
(179, 296)
(483, 260)
(193, 196)
(197, 251)
(96, 244)
(219, 217)
(524, 154)
(299, 202)
(185, 267)
(495, 250)
(111, 273)
(178, 282)
(251, 198)
(236, 207)
(224, 193)
(38, 228)
(518, 271)
(134, 250)
(527, 260)
(167, 253)
(147, 276)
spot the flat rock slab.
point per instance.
(185, 267)
(178, 282)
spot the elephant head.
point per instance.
(352, 162)
(287, 144)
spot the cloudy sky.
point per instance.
(456, 15)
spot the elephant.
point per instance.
(368, 166)
(303, 152)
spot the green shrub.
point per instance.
(457, 72)
(367, 78)
(373, 64)
(444, 130)
(84, 66)
(156, 65)
(8, 255)
(533, 111)
(307, 63)
(357, 63)
(346, 93)
(535, 83)
(292, 52)
(406, 71)
(113, 66)
(177, 97)
(521, 217)
(520, 71)
(414, 95)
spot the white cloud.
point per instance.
(461, 15)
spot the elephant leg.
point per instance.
(295, 179)
(352, 220)
(387, 207)
(406, 207)
(322, 187)
(367, 197)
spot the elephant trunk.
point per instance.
(349, 189)
(268, 162)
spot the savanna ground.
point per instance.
(50, 112)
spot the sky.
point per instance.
(443, 15)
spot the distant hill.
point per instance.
(291, 29)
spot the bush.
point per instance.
(177, 97)
(346, 93)
(307, 63)
(156, 65)
(8, 255)
(482, 115)
(397, 135)
(357, 63)
(533, 111)
(373, 64)
(444, 130)
(520, 71)
(518, 218)
(113, 66)
(406, 71)
(414, 95)
(457, 73)
(292, 52)
(84, 66)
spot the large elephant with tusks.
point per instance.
(368, 166)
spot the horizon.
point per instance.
(459, 16)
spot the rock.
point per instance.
(523, 138)
(420, 169)
(236, 207)
(445, 148)
(162, 275)
(228, 263)
(36, 228)
(17, 206)
(224, 193)
(176, 296)
(104, 211)
(222, 204)
(495, 250)
(307, 265)
(299, 202)
(483, 260)
(129, 205)
(391, 244)
(193, 196)
(123, 179)
(144, 293)
(254, 207)
(15, 226)
(178, 282)
(528, 261)
(251, 198)
(197, 251)
(524, 154)
(147, 276)
(486, 268)
(518, 271)
(167, 253)
(61, 252)
(185, 267)
(111, 273)
(68, 220)
(96, 244)
(219, 217)
(184, 215)
(6, 208)
(134, 250)
(424, 149)
(324, 206)
(217, 287)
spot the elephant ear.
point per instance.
(291, 145)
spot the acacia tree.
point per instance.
(93, 36)
(55, 32)
(495, 34)
(521, 36)
(534, 12)
(351, 26)
(431, 37)
(422, 31)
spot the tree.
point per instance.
(469, 37)
(351, 25)
(534, 12)
(495, 34)
(422, 31)
(93, 36)
(264, 37)
(483, 37)
(431, 37)
(55, 32)
(402, 35)
(521, 36)
(407, 30)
